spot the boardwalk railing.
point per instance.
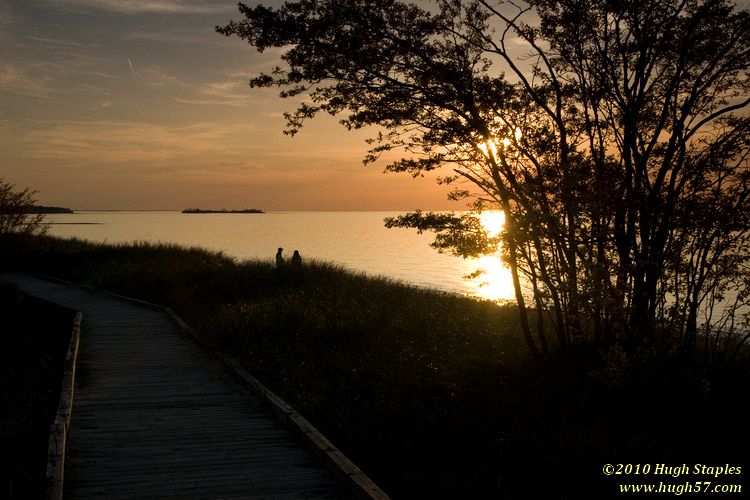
(58, 435)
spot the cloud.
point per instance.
(48, 78)
(59, 42)
(228, 93)
(132, 143)
(143, 146)
(147, 6)
(176, 36)
(155, 76)
(18, 80)
(212, 102)
(211, 144)
(230, 90)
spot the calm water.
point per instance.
(356, 240)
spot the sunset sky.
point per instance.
(140, 104)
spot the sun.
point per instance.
(492, 221)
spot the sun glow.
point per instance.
(493, 222)
(490, 146)
(493, 279)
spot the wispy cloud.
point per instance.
(134, 143)
(20, 80)
(209, 144)
(147, 6)
(155, 76)
(59, 42)
(229, 93)
(230, 90)
(75, 72)
(184, 37)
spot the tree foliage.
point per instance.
(14, 212)
(612, 134)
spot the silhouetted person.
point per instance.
(279, 258)
(296, 261)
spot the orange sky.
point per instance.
(139, 104)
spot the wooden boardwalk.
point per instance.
(155, 417)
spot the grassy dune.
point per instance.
(431, 394)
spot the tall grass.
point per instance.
(430, 393)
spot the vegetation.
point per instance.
(34, 337)
(432, 394)
(611, 134)
(16, 216)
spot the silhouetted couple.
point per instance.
(295, 263)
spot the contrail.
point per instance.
(131, 69)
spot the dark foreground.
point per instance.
(431, 394)
(34, 336)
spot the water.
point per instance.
(356, 240)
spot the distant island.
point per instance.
(222, 211)
(38, 209)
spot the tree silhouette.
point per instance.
(15, 216)
(611, 134)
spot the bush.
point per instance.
(14, 211)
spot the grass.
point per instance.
(431, 394)
(35, 337)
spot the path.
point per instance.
(155, 417)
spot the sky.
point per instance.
(141, 105)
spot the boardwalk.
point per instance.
(154, 417)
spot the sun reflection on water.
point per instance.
(494, 281)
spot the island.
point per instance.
(222, 211)
(39, 209)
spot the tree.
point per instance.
(14, 212)
(612, 137)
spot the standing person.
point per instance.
(279, 258)
(296, 261)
